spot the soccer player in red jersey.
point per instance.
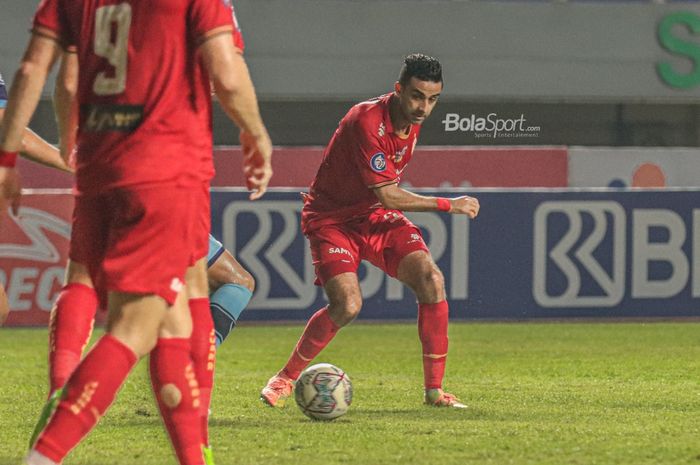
(72, 316)
(141, 99)
(353, 212)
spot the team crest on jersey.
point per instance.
(382, 130)
(398, 156)
(378, 162)
(414, 238)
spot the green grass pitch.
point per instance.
(538, 393)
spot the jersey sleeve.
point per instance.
(370, 156)
(208, 18)
(50, 21)
(3, 93)
(237, 34)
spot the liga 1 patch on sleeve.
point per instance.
(378, 162)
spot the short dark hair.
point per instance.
(423, 67)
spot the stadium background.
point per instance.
(601, 98)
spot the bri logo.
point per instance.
(378, 162)
(574, 253)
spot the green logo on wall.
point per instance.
(681, 47)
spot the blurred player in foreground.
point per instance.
(36, 149)
(353, 212)
(72, 317)
(138, 178)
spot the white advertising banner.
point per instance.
(634, 167)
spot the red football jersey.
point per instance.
(140, 89)
(363, 154)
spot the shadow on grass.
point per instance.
(424, 412)
(361, 415)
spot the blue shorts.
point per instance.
(215, 251)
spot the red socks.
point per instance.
(203, 342)
(89, 392)
(432, 329)
(177, 392)
(319, 331)
(70, 328)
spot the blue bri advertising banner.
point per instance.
(529, 254)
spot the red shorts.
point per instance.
(202, 225)
(138, 240)
(383, 239)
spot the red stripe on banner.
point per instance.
(35, 176)
(430, 167)
(439, 167)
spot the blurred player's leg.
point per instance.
(344, 304)
(419, 272)
(70, 326)
(132, 331)
(231, 288)
(203, 343)
(175, 384)
(71, 323)
(113, 233)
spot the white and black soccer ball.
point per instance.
(323, 392)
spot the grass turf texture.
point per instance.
(619, 393)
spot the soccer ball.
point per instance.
(323, 392)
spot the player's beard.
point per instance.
(418, 119)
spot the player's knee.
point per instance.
(435, 280)
(430, 285)
(353, 306)
(77, 273)
(349, 307)
(145, 345)
(247, 281)
(140, 344)
(227, 271)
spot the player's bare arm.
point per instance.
(65, 104)
(36, 149)
(23, 99)
(393, 197)
(26, 90)
(234, 89)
